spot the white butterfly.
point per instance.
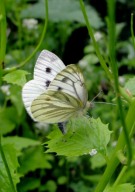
(57, 92)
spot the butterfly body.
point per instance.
(57, 92)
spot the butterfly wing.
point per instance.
(46, 69)
(70, 81)
(54, 107)
(48, 65)
(65, 98)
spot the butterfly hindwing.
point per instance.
(54, 107)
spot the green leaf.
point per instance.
(20, 142)
(70, 8)
(121, 188)
(84, 135)
(33, 158)
(130, 85)
(7, 120)
(11, 156)
(17, 77)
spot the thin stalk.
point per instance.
(38, 45)
(112, 48)
(2, 37)
(101, 59)
(132, 29)
(2, 33)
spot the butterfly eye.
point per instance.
(48, 70)
(47, 83)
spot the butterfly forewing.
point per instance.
(46, 69)
(48, 65)
(70, 81)
(54, 107)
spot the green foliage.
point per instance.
(70, 8)
(30, 158)
(20, 142)
(91, 145)
(84, 135)
(11, 156)
(17, 77)
(121, 188)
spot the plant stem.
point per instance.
(2, 32)
(37, 47)
(132, 31)
(6, 167)
(112, 48)
(2, 37)
(102, 61)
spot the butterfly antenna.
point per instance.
(101, 101)
(96, 96)
(105, 103)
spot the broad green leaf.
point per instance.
(70, 8)
(7, 119)
(11, 156)
(20, 142)
(33, 158)
(84, 135)
(121, 188)
(130, 85)
(17, 77)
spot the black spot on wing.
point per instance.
(47, 83)
(48, 70)
(59, 89)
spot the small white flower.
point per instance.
(98, 36)
(5, 89)
(121, 80)
(83, 63)
(30, 23)
(93, 152)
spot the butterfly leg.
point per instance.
(62, 127)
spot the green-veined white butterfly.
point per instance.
(57, 93)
